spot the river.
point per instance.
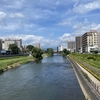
(52, 78)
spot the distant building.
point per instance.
(99, 41)
(71, 46)
(61, 48)
(90, 41)
(78, 42)
(0, 44)
(7, 42)
(37, 45)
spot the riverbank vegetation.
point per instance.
(49, 51)
(91, 62)
(37, 53)
(34, 52)
(6, 62)
(65, 52)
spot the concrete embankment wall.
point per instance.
(88, 90)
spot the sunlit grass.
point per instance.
(90, 62)
(4, 62)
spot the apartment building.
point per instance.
(71, 46)
(0, 44)
(7, 42)
(90, 41)
(78, 41)
(99, 41)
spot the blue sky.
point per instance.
(49, 22)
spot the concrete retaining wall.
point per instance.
(87, 87)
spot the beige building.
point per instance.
(7, 42)
(71, 46)
(78, 41)
(99, 41)
(37, 45)
(90, 41)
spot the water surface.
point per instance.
(52, 78)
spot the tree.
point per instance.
(65, 52)
(14, 48)
(94, 51)
(37, 53)
(50, 51)
(30, 47)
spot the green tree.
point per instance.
(65, 52)
(14, 48)
(94, 51)
(50, 51)
(37, 53)
(30, 47)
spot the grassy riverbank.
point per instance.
(10, 61)
(90, 62)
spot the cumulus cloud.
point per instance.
(31, 39)
(45, 43)
(80, 28)
(68, 18)
(65, 37)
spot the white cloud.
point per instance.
(45, 43)
(2, 15)
(2, 18)
(84, 8)
(80, 28)
(65, 37)
(10, 27)
(18, 4)
(31, 39)
(20, 15)
(65, 22)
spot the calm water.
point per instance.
(51, 79)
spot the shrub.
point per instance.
(91, 58)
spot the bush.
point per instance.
(37, 53)
(91, 58)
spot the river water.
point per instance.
(52, 78)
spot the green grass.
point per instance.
(90, 62)
(6, 61)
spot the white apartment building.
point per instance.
(90, 41)
(7, 42)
